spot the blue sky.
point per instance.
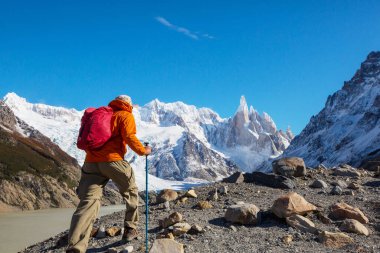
(286, 57)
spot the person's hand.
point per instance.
(148, 150)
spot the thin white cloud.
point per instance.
(183, 30)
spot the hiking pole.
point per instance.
(146, 200)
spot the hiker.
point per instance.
(102, 164)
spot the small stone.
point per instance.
(196, 229)
(167, 206)
(127, 249)
(213, 195)
(183, 200)
(354, 186)
(232, 227)
(167, 195)
(112, 250)
(113, 231)
(204, 205)
(301, 223)
(287, 239)
(336, 190)
(223, 190)
(171, 220)
(167, 246)
(291, 203)
(334, 240)
(191, 194)
(354, 226)
(340, 183)
(319, 184)
(101, 233)
(341, 211)
(181, 228)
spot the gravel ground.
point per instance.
(219, 236)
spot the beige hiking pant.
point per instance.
(94, 177)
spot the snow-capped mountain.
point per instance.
(347, 130)
(189, 143)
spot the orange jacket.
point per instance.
(123, 133)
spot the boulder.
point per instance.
(354, 226)
(166, 246)
(346, 171)
(319, 184)
(291, 203)
(196, 229)
(245, 214)
(301, 223)
(342, 211)
(237, 177)
(167, 195)
(336, 190)
(181, 228)
(223, 190)
(113, 231)
(101, 233)
(289, 167)
(204, 205)
(213, 195)
(354, 186)
(171, 220)
(287, 239)
(334, 240)
(191, 194)
(270, 180)
(340, 183)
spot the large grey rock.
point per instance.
(270, 180)
(354, 226)
(167, 195)
(237, 177)
(346, 171)
(319, 184)
(301, 223)
(291, 203)
(245, 214)
(166, 246)
(289, 167)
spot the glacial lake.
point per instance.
(21, 229)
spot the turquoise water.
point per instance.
(21, 229)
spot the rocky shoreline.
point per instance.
(204, 225)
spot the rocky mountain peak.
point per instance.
(347, 129)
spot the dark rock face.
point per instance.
(34, 172)
(347, 129)
(237, 178)
(289, 167)
(270, 180)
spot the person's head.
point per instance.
(125, 98)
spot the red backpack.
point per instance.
(95, 128)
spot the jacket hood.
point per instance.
(118, 105)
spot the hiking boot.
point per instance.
(130, 234)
